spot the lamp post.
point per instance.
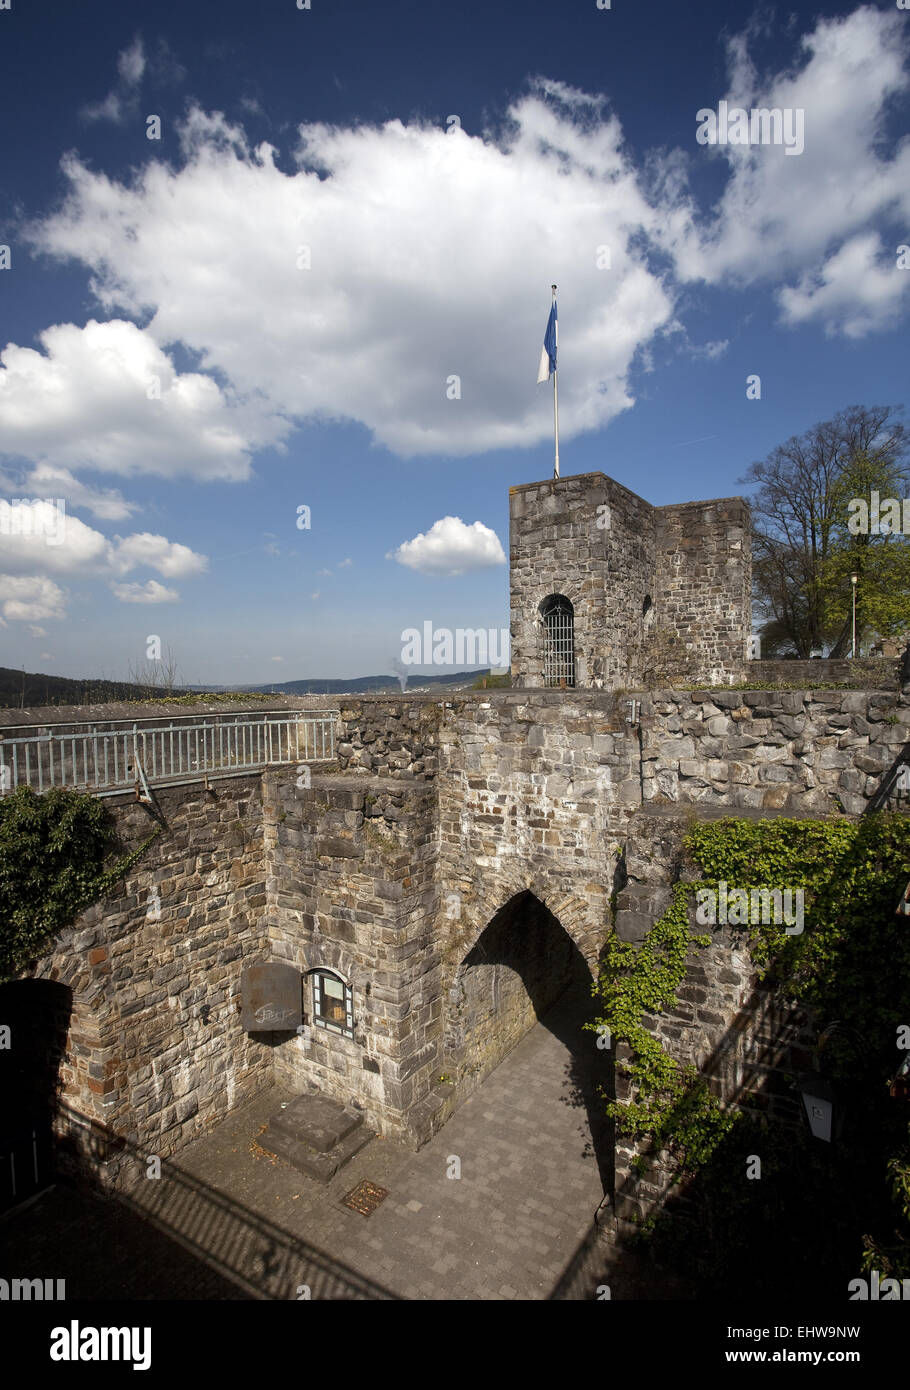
(853, 579)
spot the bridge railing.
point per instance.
(120, 756)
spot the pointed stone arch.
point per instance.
(504, 975)
(580, 911)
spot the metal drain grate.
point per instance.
(365, 1198)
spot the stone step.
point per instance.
(316, 1121)
(319, 1164)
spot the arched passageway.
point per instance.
(525, 969)
(35, 1020)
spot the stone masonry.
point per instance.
(463, 859)
(659, 594)
(539, 822)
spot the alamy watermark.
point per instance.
(741, 907)
(35, 516)
(890, 517)
(80, 1343)
(876, 1289)
(30, 1290)
(761, 126)
(466, 646)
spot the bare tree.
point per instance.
(156, 678)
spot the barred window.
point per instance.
(333, 1003)
(558, 617)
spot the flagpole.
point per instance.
(555, 408)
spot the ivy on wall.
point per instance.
(849, 966)
(54, 863)
(671, 1104)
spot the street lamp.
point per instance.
(853, 579)
(819, 1101)
(823, 1105)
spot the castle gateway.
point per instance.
(449, 863)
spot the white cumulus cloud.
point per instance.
(107, 504)
(149, 592)
(38, 540)
(167, 557)
(24, 599)
(858, 290)
(429, 255)
(106, 397)
(781, 215)
(451, 547)
(395, 258)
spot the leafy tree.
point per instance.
(803, 552)
(877, 556)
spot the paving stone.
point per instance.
(509, 1229)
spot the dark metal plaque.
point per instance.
(271, 998)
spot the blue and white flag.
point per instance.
(548, 351)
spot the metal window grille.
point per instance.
(333, 1003)
(559, 642)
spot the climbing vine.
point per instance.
(54, 853)
(850, 966)
(670, 1103)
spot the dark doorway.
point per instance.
(37, 1015)
(525, 969)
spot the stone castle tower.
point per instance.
(608, 592)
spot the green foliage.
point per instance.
(671, 1104)
(852, 875)
(53, 852)
(881, 561)
(850, 966)
(894, 1260)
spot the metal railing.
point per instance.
(122, 756)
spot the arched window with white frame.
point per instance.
(333, 1002)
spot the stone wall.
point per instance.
(529, 807)
(558, 547)
(806, 752)
(863, 673)
(156, 1048)
(744, 1036)
(517, 969)
(659, 593)
(388, 736)
(350, 865)
(703, 594)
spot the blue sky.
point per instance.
(262, 309)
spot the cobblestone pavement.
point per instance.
(228, 1220)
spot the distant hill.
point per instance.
(365, 685)
(24, 689)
